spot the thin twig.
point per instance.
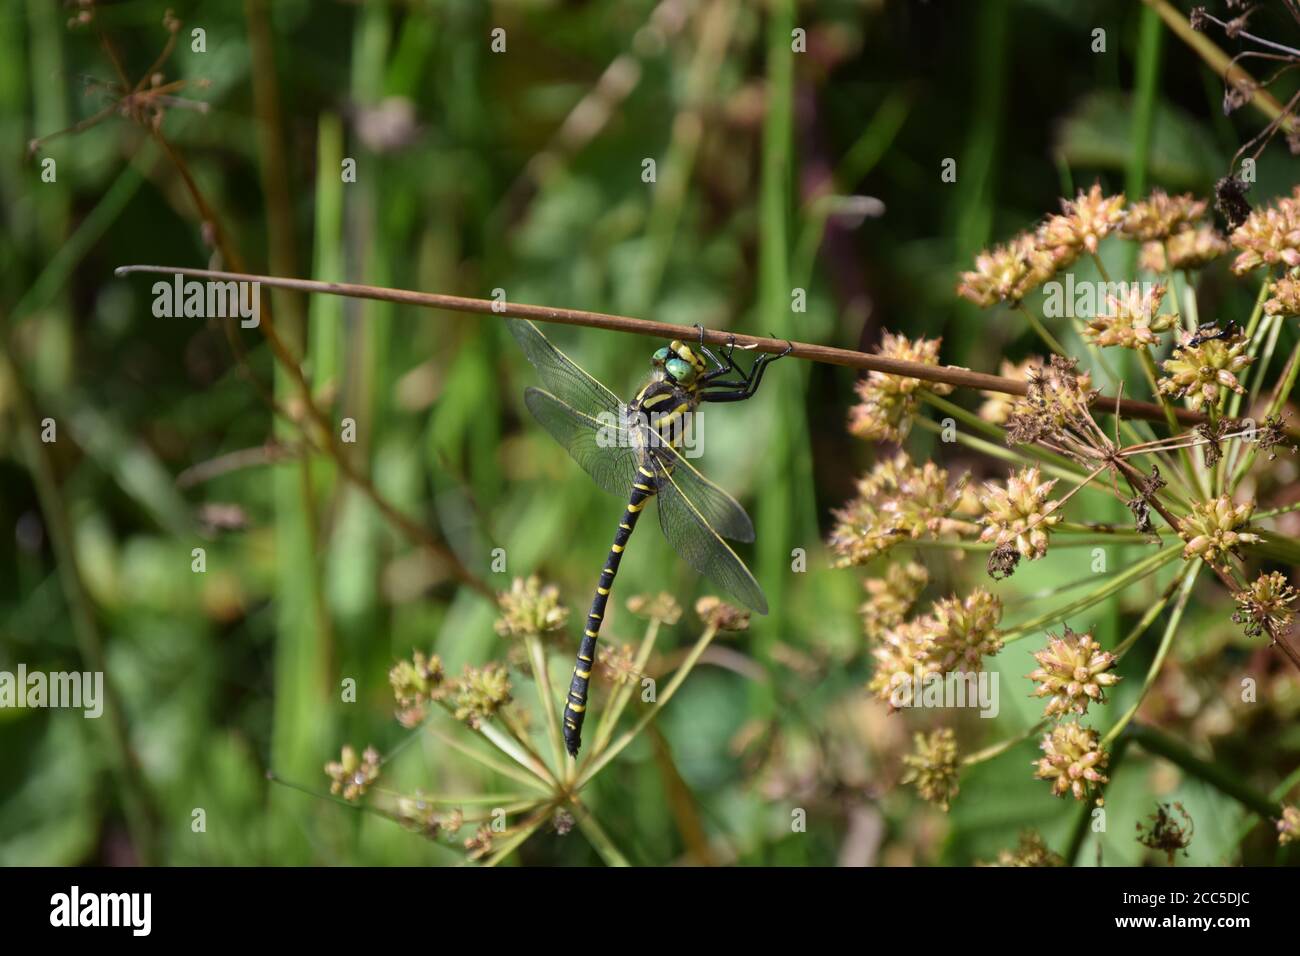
(948, 374)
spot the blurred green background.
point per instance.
(522, 170)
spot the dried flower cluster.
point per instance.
(1031, 851)
(955, 635)
(896, 501)
(351, 775)
(1269, 236)
(889, 402)
(1267, 606)
(528, 609)
(1165, 833)
(933, 767)
(1132, 319)
(891, 598)
(1018, 516)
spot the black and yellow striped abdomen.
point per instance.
(575, 708)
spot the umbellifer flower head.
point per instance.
(933, 767)
(1084, 222)
(350, 775)
(1212, 529)
(529, 610)
(1019, 514)
(415, 683)
(1267, 605)
(1129, 320)
(1031, 851)
(1072, 671)
(1283, 297)
(1161, 215)
(1269, 236)
(1203, 364)
(1191, 249)
(1008, 273)
(889, 401)
(896, 500)
(1073, 760)
(480, 693)
(962, 631)
(890, 599)
(900, 656)
(721, 615)
(1288, 827)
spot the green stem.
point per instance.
(1184, 593)
(599, 839)
(1176, 752)
(1113, 585)
(609, 718)
(545, 698)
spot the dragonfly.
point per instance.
(635, 450)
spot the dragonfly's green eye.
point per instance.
(683, 372)
(660, 357)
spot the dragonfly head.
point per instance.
(679, 363)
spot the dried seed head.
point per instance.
(1073, 760)
(933, 767)
(1200, 367)
(1268, 605)
(1019, 514)
(530, 610)
(1008, 273)
(1166, 834)
(890, 599)
(1130, 319)
(889, 402)
(1072, 671)
(1269, 236)
(1213, 529)
(351, 775)
(1161, 215)
(1084, 222)
(895, 501)
(1058, 398)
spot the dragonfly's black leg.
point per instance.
(738, 392)
(719, 367)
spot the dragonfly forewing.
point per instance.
(563, 378)
(719, 510)
(599, 446)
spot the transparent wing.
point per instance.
(721, 511)
(702, 548)
(561, 376)
(592, 444)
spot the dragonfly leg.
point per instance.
(739, 391)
